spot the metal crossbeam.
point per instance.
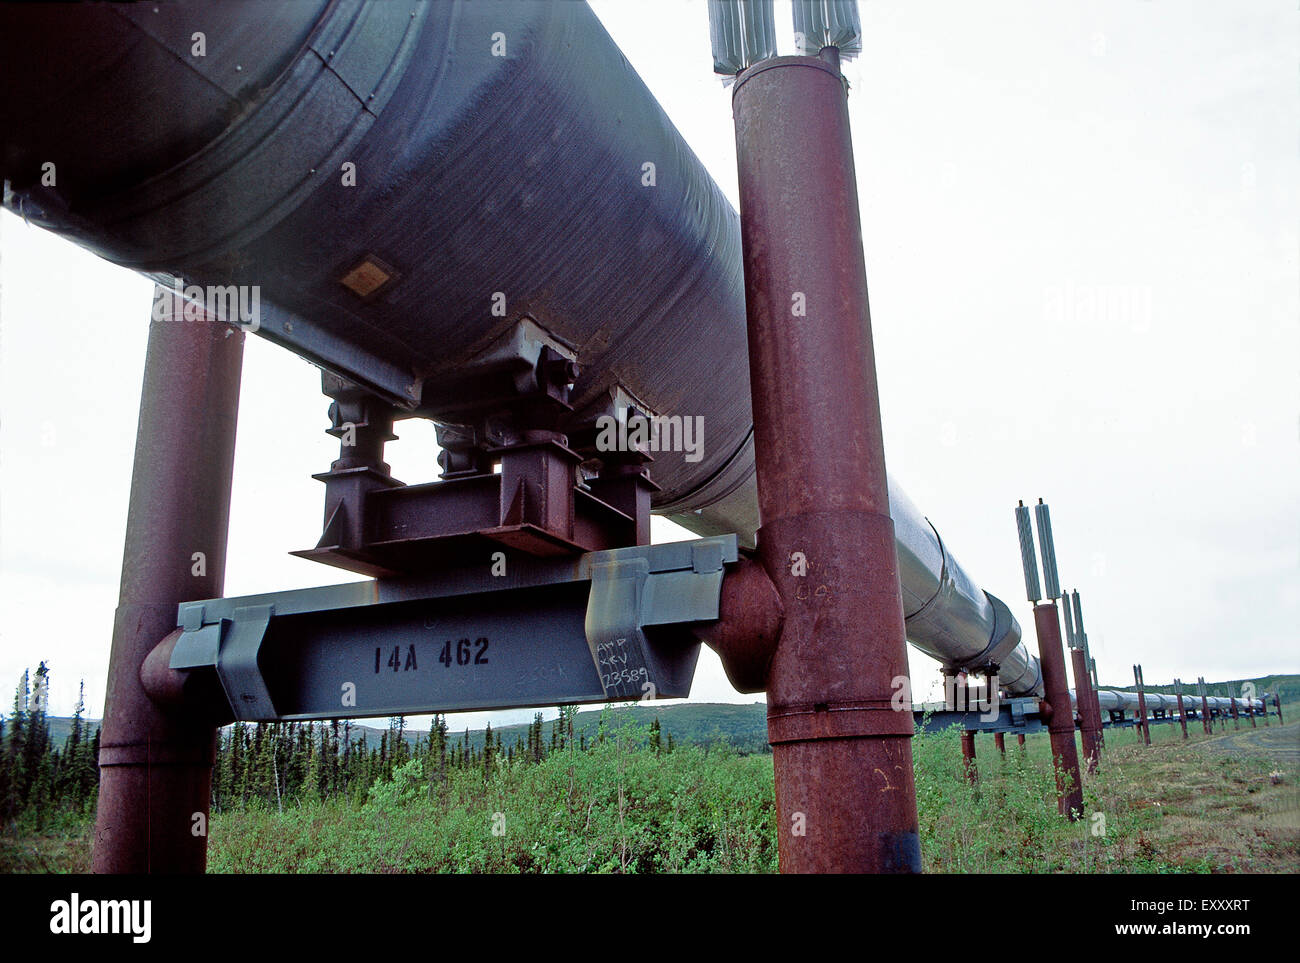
(607, 626)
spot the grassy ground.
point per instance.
(1229, 802)
(1206, 805)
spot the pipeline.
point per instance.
(1117, 700)
(493, 150)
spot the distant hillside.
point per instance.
(743, 726)
(1286, 686)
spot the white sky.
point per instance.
(1080, 222)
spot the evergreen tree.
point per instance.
(16, 753)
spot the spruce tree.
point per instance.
(16, 751)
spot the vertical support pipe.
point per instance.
(1250, 712)
(1000, 741)
(1089, 710)
(1144, 729)
(1020, 740)
(1060, 723)
(1182, 711)
(1236, 720)
(968, 756)
(156, 768)
(1089, 662)
(845, 793)
(1277, 704)
(1205, 707)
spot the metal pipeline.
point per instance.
(380, 172)
(1116, 700)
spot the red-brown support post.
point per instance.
(156, 768)
(1060, 715)
(1090, 665)
(1205, 708)
(1236, 720)
(1089, 713)
(1000, 741)
(968, 756)
(1277, 704)
(1250, 712)
(1182, 712)
(845, 794)
(1020, 739)
(1144, 730)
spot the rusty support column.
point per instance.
(1277, 704)
(1000, 741)
(1236, 719)
(156, 768)
(845, 795)
(968, 757)
(1144, 730)
(1089, 712)
(1182, 713)
(1205, 708)
(1060, 716)
(1020, 740)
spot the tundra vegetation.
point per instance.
(610, 792)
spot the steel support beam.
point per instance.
(1182, 710)
(1085, 698)
(156, 767)
(1060, 724)
(845, 795)
(1143, 727)
(968, 766)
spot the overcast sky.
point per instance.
(1080, 225)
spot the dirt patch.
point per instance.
(1277, 742)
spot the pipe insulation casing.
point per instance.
(385, 174)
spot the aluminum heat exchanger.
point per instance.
(385, 174)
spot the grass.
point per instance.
(1199, 806)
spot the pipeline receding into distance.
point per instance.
(381, 171)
